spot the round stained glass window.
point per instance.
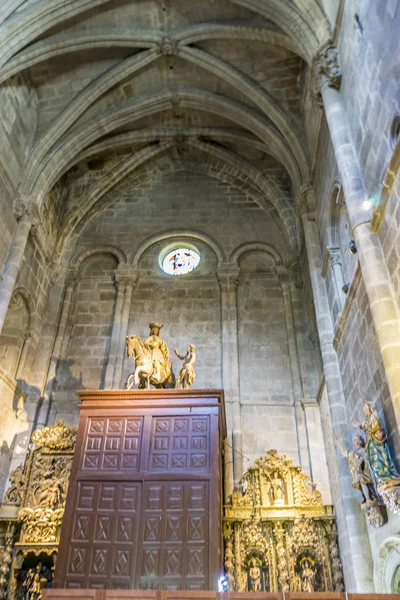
(180, 261)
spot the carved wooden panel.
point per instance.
(112, 444)
(179, 443)
(104, 535)
(144, 508)
(175, 535)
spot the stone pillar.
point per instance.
(228, 281)
(120, 282)
(13, 262)
(383, 303)
(71, 283)
(335, 262)
(353, 537)
(31, 340)
(304, 455)
(130, 283)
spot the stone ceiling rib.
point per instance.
(58, 45)
(130, 111)
(309, 26)
(267, 192)
(225, 71)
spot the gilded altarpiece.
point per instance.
(278, 534)
(32, 513)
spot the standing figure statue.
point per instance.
(377, 449)
(307, 577)
(254, 576)
(187, 374)
(152, 360)
(361, 476)
(278, 495)
(34, 583)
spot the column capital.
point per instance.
(327, 69)
(332, 257)
(72, 278)
(126, 274)
(22, 206)
(304, 202)
(228, 275)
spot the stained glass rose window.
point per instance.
(180, 261)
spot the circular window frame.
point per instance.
(395, 132)
(178, 245)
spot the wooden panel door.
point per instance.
(104, 538)
(174, 535)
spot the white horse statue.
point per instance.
(147, 370)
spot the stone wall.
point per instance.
(190, 306)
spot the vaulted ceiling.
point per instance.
(120, 83)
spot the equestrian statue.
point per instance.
(152, 361)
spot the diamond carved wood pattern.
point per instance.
(113, 444)
(145, 497)
(176, 445)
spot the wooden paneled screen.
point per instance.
(144, 502)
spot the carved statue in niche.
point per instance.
(307, 575)
(277, 491)
(187, 374)
(380, 459)
(152, 360)
(254, 576)
(34, 582)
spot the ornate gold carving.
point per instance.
(59, 437)
(6, 559)
(276, 522)
(40, 489)
(14, 492)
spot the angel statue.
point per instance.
(187, 374)
(361, 476)
(377, 449)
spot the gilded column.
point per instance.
(303, 445)
(130, 283)
(23, 214)
(353, 536)
(120, 282)
(228, 281)
(382, 301)
(71, 283)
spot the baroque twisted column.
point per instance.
(382, 301)
(228, 281)
(353, 536)
(23, 214)
(70, 286)
(131, 278)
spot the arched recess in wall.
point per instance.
(188, 305)
(265, 378)
(177, 236)
(84, 357)
(18, 321)
(387, 566)
(81, 258)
